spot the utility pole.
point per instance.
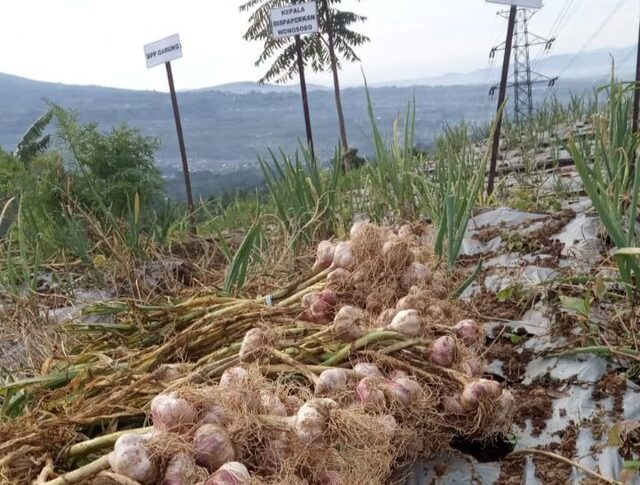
(501, 97)
(524, 78)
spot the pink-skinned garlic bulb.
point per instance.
(212, 414)
(468, 331)
(331, 382)
(234, 378)
(406, 322)
(231, 473)
(370, 394)
(271, 404)
(131, 459)
(311, 420)
(253, 342)
(212, 446)
(365, 369)
(181, 470)
(443, 351)
(343, 256)
(416, 274)
(338, 277)
(347, 324)
(171, 412)
(324, 254)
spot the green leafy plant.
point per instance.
(607, 168)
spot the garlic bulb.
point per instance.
(231, 473)
(234, 378)
(331, 382)
(212, 446)
(343, 256)
(131, 459)
(347, 323)
(310, 422)
(338, 277)
(443, 351)
(212, 414)
(356, 229)
(182, 469)
(468, 331)
(364, 369)
(324, 255)
(254, 340)
(471, 395)
(415, 275)
(271, 404)
(369, 393)
(406, 322)
(170, 412)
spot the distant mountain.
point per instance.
(227, 127)
(595, 65)
(247, 87)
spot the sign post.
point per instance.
(163, 52)
(504, 80)
(297, 20)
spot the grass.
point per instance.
(606, 164)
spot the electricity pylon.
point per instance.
(524, 78)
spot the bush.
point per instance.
(112, 168)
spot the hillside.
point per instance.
(228, 126)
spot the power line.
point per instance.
(593, 36)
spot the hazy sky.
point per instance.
(100, 41)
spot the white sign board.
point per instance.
(519, 3)
(163, 50)
(297, 19)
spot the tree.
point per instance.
(32, 142)
(335, 42)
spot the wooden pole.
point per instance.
(305, 97)
(501, 97)
(183, 151)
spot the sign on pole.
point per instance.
(164, 51)
(519, 3)
(292, 20)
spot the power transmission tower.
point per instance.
(524, 78)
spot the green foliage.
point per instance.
(110, 169)
(607, 166)
(284, 66)
(451, 190)
(32, 142)
(306, 199)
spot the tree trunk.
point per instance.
(336, 88)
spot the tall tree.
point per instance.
(335, 42)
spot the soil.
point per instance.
(484, 304)
(555, 472)
(535, 405)
(511, 471)
(514, 361)
(612, 384)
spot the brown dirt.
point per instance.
(514, 363)
(511, 471)
(487, 304)
(554, 472)
(611, 384)
(534, 404)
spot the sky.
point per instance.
(101, 42)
